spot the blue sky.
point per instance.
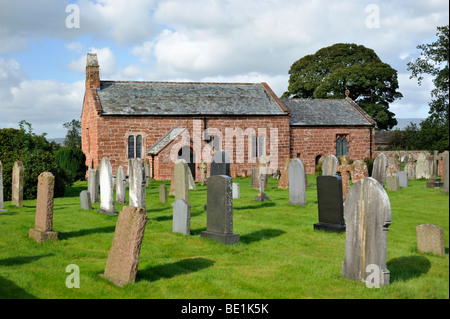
(42, 60)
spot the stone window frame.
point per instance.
(135, 135)
(342, 136)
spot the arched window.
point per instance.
(341, 145)
(134, 146)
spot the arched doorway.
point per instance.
(187, 153)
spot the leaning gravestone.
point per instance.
(181, 222)
(297, 191)
(379, 169)
(219, 216)
(430, 239)
(93, 184)
(106, 188)
(329, 165)
(136, 192)
(330, 204)
(2, 207)
(123, 258)
(163, 193)
(17, 184)
(367, 213)
(121, 186)
(85, 200)
(220, 164)
(43, 230)
(181, 180)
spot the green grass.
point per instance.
(279, 254)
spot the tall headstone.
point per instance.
(17, 184)
(283, 183)
(367, 213)
(137, 182)
(430, 239)
(219, 216)
(345, 170)
(410, 169)
(163, 193)
(43, 229)
(181, 222)
(442, 164)
(297, 191)
(85, 200)
(379, 170)
(123, 258)
(2, 203)
(445, 176)
(422, 167)
(181, 180)
(121, 186)
(329, 165)
(106, 188)
(93, 184)
(330, 204)
(147, 171)
(359, 171)
(220, 164)
(434, 181)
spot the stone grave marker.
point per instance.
(17, 184)
(434, 181)
(93, 184)
(203, 173)
(392, 183)
(123, 258)
(297, 191)
(410, 169)
(163, 193)
(430, 239)
(359, 171)
(236, 190)
(283, 182)
(181, 222)
(422, 167)
(367, 213)
(345, 175)
(445, 176)
(379, 170)
(181, 180)
(85, 200)
(121, 186)
(402, 179)
(394, 165)
(106, 188)
(147, 171)
(219, 216)
(330, 204)
(329, 165)
(43, 229)
(2, 203)
(137, 182)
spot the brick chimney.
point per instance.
(92, 71)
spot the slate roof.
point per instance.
(318, 112)
(186, 98)
(165, 140)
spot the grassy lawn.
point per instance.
(279, 256)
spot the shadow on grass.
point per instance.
(21, 260)
(256, 206)
(9, 290)
(260, 235)
(84, 232)
(182, 267)
(405, 268)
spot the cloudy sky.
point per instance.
(43, 48)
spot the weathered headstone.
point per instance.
(85, 200)
(329, 165)
(220, 164)
(106, 188)
(434, 181)
(379, 169)
(442, 164)
(219, 216)
(43, 229)
(367, 213)
(359, 171)
(430, 239)
(394, 165)
(181, 180)
(402, 179)
(147, 171)
(2, 203)
(330, 204)
(93, 184)
(233, 171)
(181, 222)
(345, 175)
(445, 176)
(297, 191)
(136, 191)
(203, 173)
(236, 190)
(121, 186)
(422, 167)
(410, 169)
(123, 258)
(163, 193)
(392, 183)
(283, 183)
(17, 184)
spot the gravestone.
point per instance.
(219, 217)
(345, 170)
(442, 164)
(85, 200)
(163, 193)
(410, 169)
(379, 169)
(236, 190)
(394, 165)
(402, 179)
(392, 183)
(430, 239)
(422, 167)
(297, 191)
(147, 172)
(359, 171)
(330, 204)
(181, 180)
(17, 184)
(203, 173)
(43, 229)
(329, 165)
(2, 203)
(367, 213)
(106, 188)
(137, 182)
(121, 186)
(220, 164)
(181, 222)
(233, 171)
(445, 176)
(93, 184)
(191, 181)
(123, 258)
(435, 181)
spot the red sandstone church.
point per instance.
(163, 121)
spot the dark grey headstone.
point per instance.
(330, 204)
(220, 164)
(219, 216)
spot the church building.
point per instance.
(164, 121)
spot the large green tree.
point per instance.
(73, 136)
(434, 61)
(344, 66)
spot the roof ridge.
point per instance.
(187, 82)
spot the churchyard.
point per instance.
(274, 252)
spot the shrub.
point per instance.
(72, 161)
